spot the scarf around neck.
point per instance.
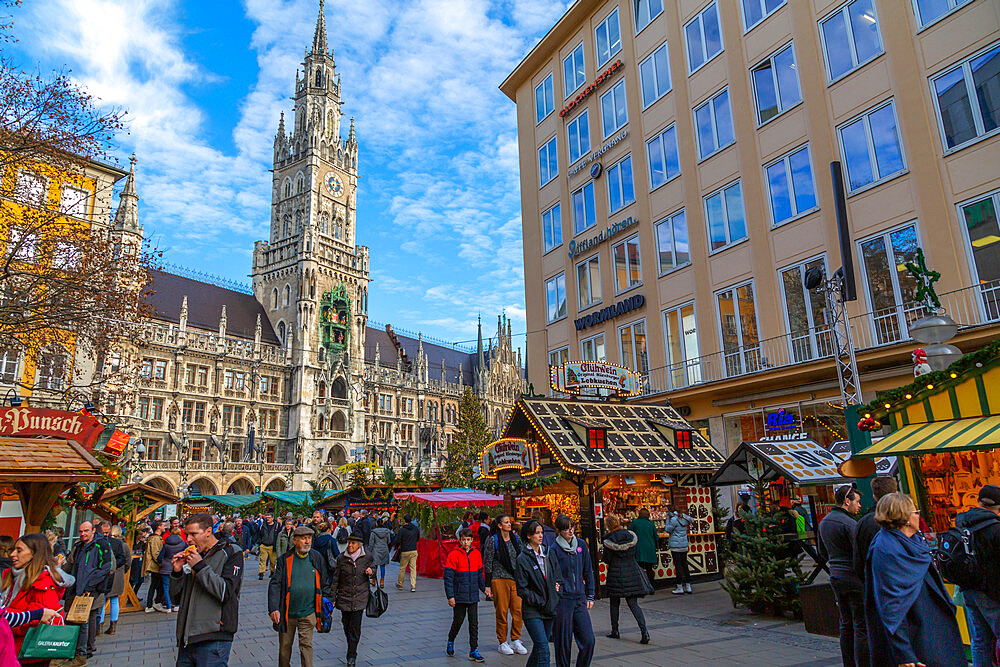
(16, 581)
(357, 554)
(568, 547)
(897, 565)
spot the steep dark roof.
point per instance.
(634, 443)
(435, 354)
(166, 291)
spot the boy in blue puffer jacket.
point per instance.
(463, 579)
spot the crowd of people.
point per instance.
(893, 605)
(538, 576)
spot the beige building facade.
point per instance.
(676, 185)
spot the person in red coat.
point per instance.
(35, 581)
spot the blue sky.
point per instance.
(204, 83)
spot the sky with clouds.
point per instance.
(204, 84)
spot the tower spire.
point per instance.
(319, 37)
(479, 347)
(127, 215)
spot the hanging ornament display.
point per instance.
(869, 423)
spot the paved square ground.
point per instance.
(699, 629)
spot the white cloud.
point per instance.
(439, 158)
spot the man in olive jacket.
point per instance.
(645, 550)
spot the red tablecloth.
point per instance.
(431, 555)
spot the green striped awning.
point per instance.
(949, 435)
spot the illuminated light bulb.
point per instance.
(909, 396)
(930, 386)
(887, 406)
(954, 375)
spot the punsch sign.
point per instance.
(81, 427)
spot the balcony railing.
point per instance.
(971, 307)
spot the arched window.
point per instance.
(329, 123)
(288, 295)
(300, 184)
(274, 298)
(338, 422)
(281, 333)
(286, 188)
(286, 226)
(322, 423)
(319, 76)
(339, 388)
(321, 390)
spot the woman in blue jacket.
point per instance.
(677, 526)
(576, 596)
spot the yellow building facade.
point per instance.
(44, 207)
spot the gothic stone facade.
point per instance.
(297, 362)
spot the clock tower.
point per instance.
(310, 276)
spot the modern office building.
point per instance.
(676, 185)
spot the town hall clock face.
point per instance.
(334, 184)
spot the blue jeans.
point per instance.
(166, 590)
(984, 621)
(114, 602)
(573, 621)
(539, 629)
(382, 570)
(205, 654)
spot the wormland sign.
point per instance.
(610, 312)
(611, 143)
(612, 230)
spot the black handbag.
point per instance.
(378, 602)
(647, 585)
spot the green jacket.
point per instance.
(283, 543)
(645, 530)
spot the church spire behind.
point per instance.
(319, 37)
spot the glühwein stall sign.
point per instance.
(509, 454)
(575, 376)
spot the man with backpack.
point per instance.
(91, 562)
(836, 548)
(974, 569)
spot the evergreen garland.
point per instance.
(496, 486)
(968, 366)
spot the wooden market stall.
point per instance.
(132, 503)
(372, 497)
(612, 458)
(792, 468)
(944, 429)
(40, 469)
(432, 552)
(43, 452)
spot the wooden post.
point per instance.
(129, 601)
(37, 499)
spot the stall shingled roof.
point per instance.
(803, 462)
(637, 437)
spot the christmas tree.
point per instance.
(763, 574)
(467, 447)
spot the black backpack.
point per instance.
(956, 556)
